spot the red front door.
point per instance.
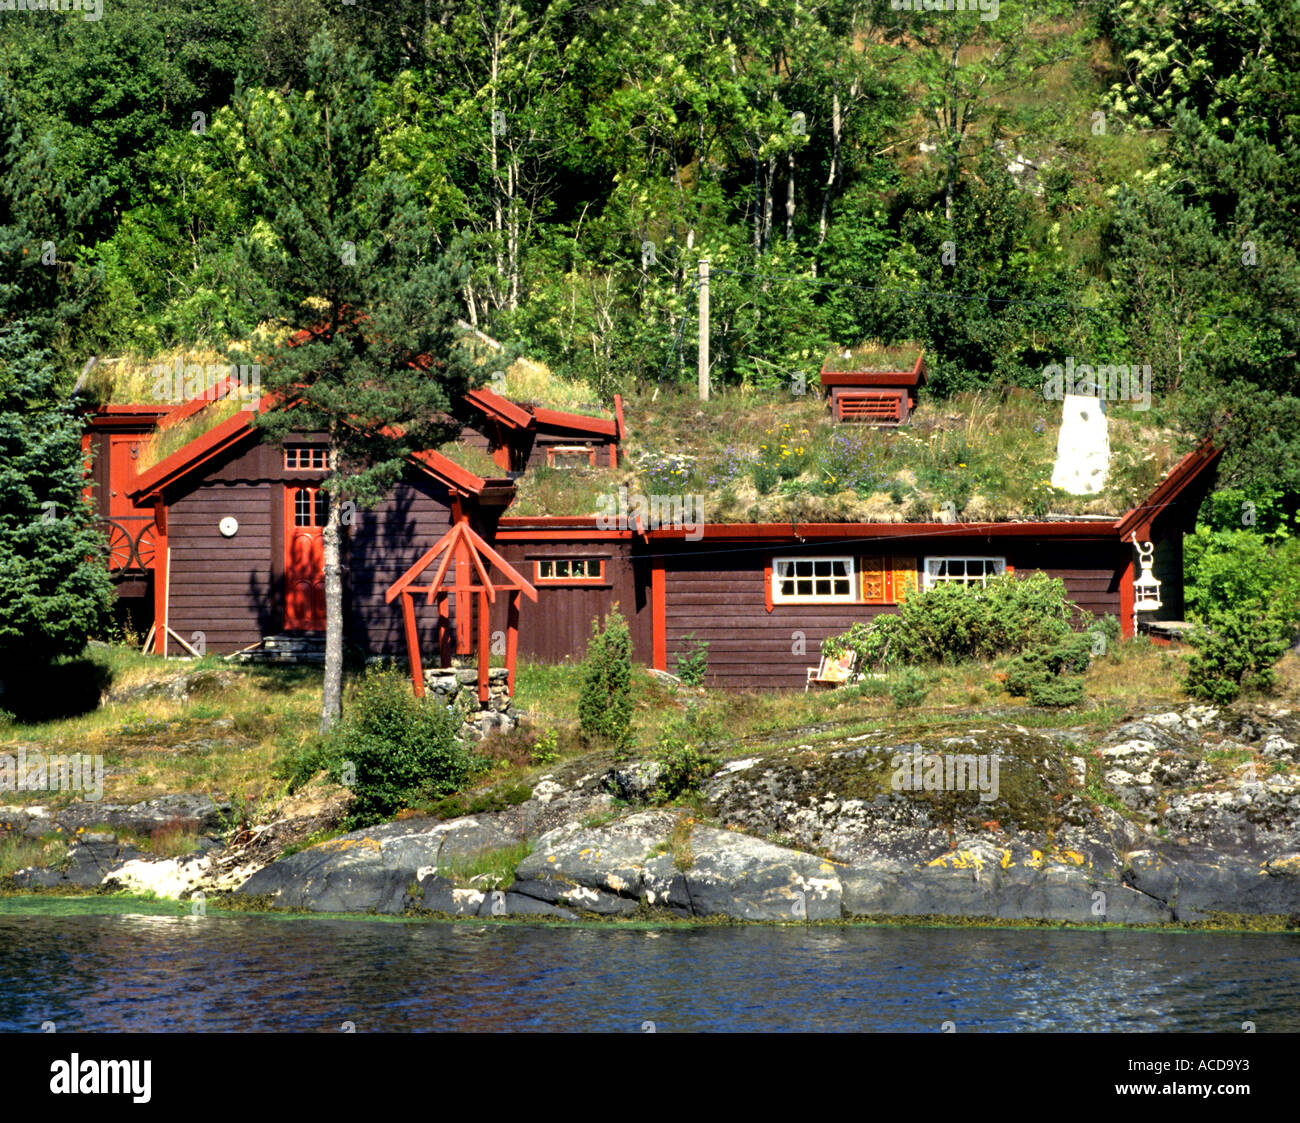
(304, 559)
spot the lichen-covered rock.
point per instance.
(371, 870)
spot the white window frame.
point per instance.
(782, 566)
(931, 577)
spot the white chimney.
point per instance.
(1083, 447)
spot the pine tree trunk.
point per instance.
(332, 692)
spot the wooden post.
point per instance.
(704, 331)
(464, 602)
(512, 640)
(484, 646)
(444, 631)
(412, 643)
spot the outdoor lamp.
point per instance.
(1146, 589)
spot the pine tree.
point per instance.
(347, 256)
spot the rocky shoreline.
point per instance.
(1172, 818)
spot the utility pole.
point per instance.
(704, 331)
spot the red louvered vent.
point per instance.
(878, 408)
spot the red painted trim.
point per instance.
(503, 409)
(560, 420)
(618, 416)
(659, 614)
(1181, 476)
(1126, 597)
(1092, 531)
(521, 521)
(767, 583)
(571, 449)
(161, 577)
(561, 535)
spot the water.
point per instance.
(180, 973)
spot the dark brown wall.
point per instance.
(720, 598)
(385, 542)
(226, 588)
(558, 626)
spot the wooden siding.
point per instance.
(558, 626)
(720, 598)
(385, 541)
(226, 588)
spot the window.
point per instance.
(962, 571)
(570, 456)
(569, 571)
(298, 457)
(309, 503)
(812, 579)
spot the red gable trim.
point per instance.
(504, 410)
(199, 451)
(193, 455)
(1183, 474)
(577, 421)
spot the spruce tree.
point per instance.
(55, 590)
(605, 704)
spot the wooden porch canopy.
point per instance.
(466, 551)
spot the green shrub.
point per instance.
(605, 704)
(1236, 649)
(684, 766)
(300, 763)
(692, 662)
(1061, 690)
(908, 688)
(952, 623)
(1244, 597)
(1047, 675)
(394, 748)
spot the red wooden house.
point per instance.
(229, 551)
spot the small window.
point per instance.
(812, 579)
(570, 456)
(569, 571)
(305, 457)
(310, 507)
(962, 570)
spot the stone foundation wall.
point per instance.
(457, 687)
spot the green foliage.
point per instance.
(691, 663)
(684, 767)
(1244, 596)
(605, 704)
(953, 623)
(1048, 673)
(400, 747)
(908, 688)
(546, 750)
(54, 583)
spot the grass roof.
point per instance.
(873, 356)
(759, 458)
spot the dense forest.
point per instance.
(1115, 181)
